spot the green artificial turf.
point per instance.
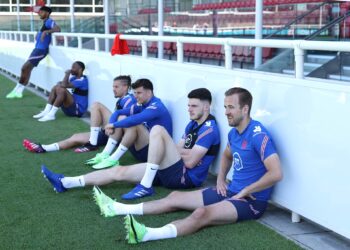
(33, 216)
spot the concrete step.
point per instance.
(321, 59)
(339, 77)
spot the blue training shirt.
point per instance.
(81, 85)
(207, 136)
(150, 114)
(249, 150)
(125, 102)
(47, 25)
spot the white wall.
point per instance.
(307, 119)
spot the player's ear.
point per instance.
(245, 109)
(207, 106)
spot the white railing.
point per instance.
(299, 46)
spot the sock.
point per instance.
(111, 144)
(166, 232)
(94, 135)
(119, 152)
(124, 209)
(19, 88)
(48, 107)
(53, 111)
(72, 182)
(151, 170)
(51, 147)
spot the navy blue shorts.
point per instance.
(174, 177)
(102, 138)
(141, 155)
(247, 209)
(37, 55)
(72, 110)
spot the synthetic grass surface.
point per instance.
(32, 216)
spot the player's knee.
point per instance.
(59, 89)
(96, 106)
(200, 214)
(157, 130)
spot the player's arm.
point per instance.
(52, 28)
(191, 157)
(65, 83)
(225, 165)
(117, 113)
(180, 145)
(137, 119)
(271, 177)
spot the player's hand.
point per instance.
(221, 187)
(109, 129)
(243, 194)
(68, 71)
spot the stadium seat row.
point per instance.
(246, 4)
(203, 51)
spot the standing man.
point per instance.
(100, 114)
(43, 40)
(74, 104)
(252, 154)
(180, 166)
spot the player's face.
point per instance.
(75, 70)
(233, 111)
(119, 89)
(43, 14)
(195, 109)
(142, 95)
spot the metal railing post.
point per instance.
(144, 48)
(180, 51)
(228, 56)
(299, 62)
(97, 45)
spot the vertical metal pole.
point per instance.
(299, 62)
(72, 21)
(144, 48)
(160, 27)
(32, 16)
(177, 5)
(18, 18)
(48, 2)
(228, 56)
(180, 52)
(258, 31)
(106, 14)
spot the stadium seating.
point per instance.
(247, 4)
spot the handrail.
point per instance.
(296, 19)
(330, 24)
(299, 46)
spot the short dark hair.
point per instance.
(244, 96)
(143, 82)
(124, 79)
(45, 8)
(81, 65)
(202, 94)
